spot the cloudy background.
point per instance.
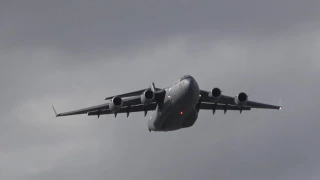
(74, 53)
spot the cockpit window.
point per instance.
(184, 77)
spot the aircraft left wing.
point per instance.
(225, 107)
(228, 100)
(102, 107)
(210, 106)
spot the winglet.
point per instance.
(280, 102)
(153, 87)
(55, 111)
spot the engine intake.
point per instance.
(215, 94)
(241, 99)
(147, 97)
(115, 104)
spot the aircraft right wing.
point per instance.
(102, 107)
(132, 102)
(134, 93)
(126, 109)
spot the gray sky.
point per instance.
(73, 54)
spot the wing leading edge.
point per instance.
(134, 93)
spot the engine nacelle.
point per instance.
(147, 97)
(115, 104)
(241, 99)
(215, 94)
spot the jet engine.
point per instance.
(215, 94)
(115, 104)
(147, 97)
(241, 99)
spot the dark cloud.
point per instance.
(40, 68)
(86, 26)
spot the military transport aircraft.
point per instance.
(174, 107)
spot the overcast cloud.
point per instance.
(73, 54)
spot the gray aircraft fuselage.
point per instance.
(178, 109)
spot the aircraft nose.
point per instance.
(186, 83)
(189, 84)
(191, 89)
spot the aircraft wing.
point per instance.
(131, 102)
(135, 100)
(228, 100)
(213, 106)
(126, 109)
(134, 93)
